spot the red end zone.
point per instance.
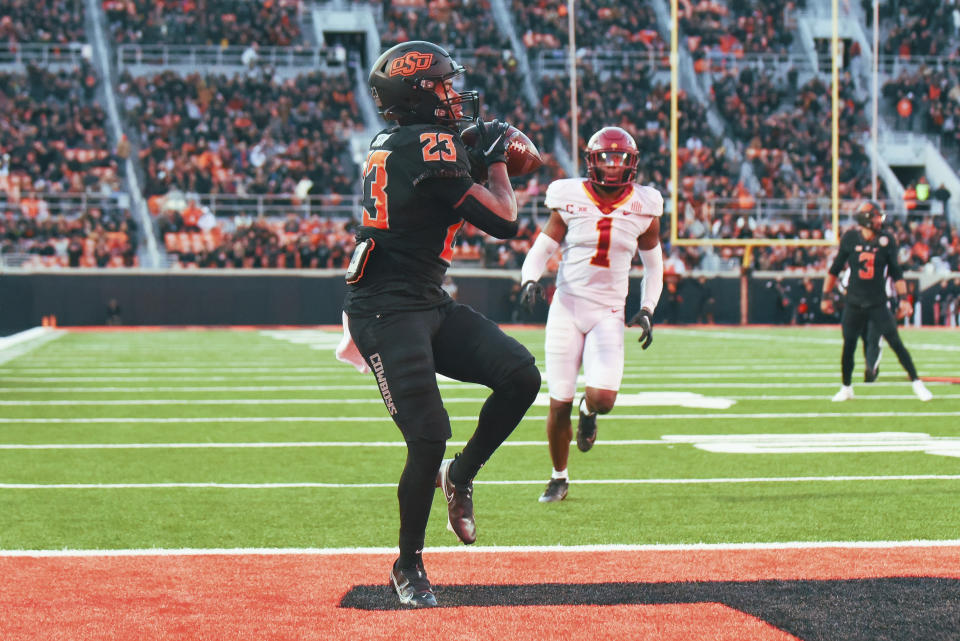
(297, 596)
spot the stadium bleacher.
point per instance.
(237, 165)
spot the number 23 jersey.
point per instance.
(412, 178)
(601, 238)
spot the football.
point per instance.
(522, 155)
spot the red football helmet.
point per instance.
(612, 157)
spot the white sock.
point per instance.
(583, 407)
(560, 474)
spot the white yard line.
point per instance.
(376, 401)
(58, 368)
(337, 486)
(276, 444)
(383, 419)
(830, 374)
(491, 549)
(739, 443)
(443, 386)
(747, 335)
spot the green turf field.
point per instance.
(226, 439)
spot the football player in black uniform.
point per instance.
(871, 254)
(417, 192)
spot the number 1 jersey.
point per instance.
(601, 238)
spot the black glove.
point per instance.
(492, 143)
(644, 319)
(529, 293)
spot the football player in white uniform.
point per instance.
(598, 222)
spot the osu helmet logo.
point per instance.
(410, 64)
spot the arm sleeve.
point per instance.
(536, 261)
(453, 193)
(473, 211)
(652, 285)
(843, 253)
(894, 270)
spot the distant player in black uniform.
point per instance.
(417, 192)
(872, 255)
(872, 339)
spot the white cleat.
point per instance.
(845, 394)
(921, 390)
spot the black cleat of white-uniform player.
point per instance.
(586, 427)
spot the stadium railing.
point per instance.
(15, 54)
(556, 61)
(61, 203)
(782, 209)
(895, 65)
(133, 57)
(264, 206)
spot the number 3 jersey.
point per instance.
(870, 261)
(412, 178)
(601, 238)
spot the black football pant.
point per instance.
(854, 324)
(406, 351)
(871, 346)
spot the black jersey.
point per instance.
(413, 177)
(871, 262)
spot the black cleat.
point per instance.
(870, 375)
(412, 585)
(556, 491)
(459, 505)
(586, 428)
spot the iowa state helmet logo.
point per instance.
(410, 64)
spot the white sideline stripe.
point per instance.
(750, 336)
(338, 486)
(493, 549)
(228, 401)
(58, 367)
(808, 397)
(100, 365)
(175, 369)
(21, 343)
(23, 337)
(276, 444)
(381, 419)
(832, 374)
(378, 401)
(224, 388)
(459, 386)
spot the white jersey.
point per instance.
(601, 241)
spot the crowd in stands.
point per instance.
(789, 147)
(52, 134)
(291, 242)
(244, 134)
(599, 25)
(205, 22)
(75, 237)
(714, 30)
(41, 21)
(253, 134)
(459, 26)
(926, 100)
(918, 27)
